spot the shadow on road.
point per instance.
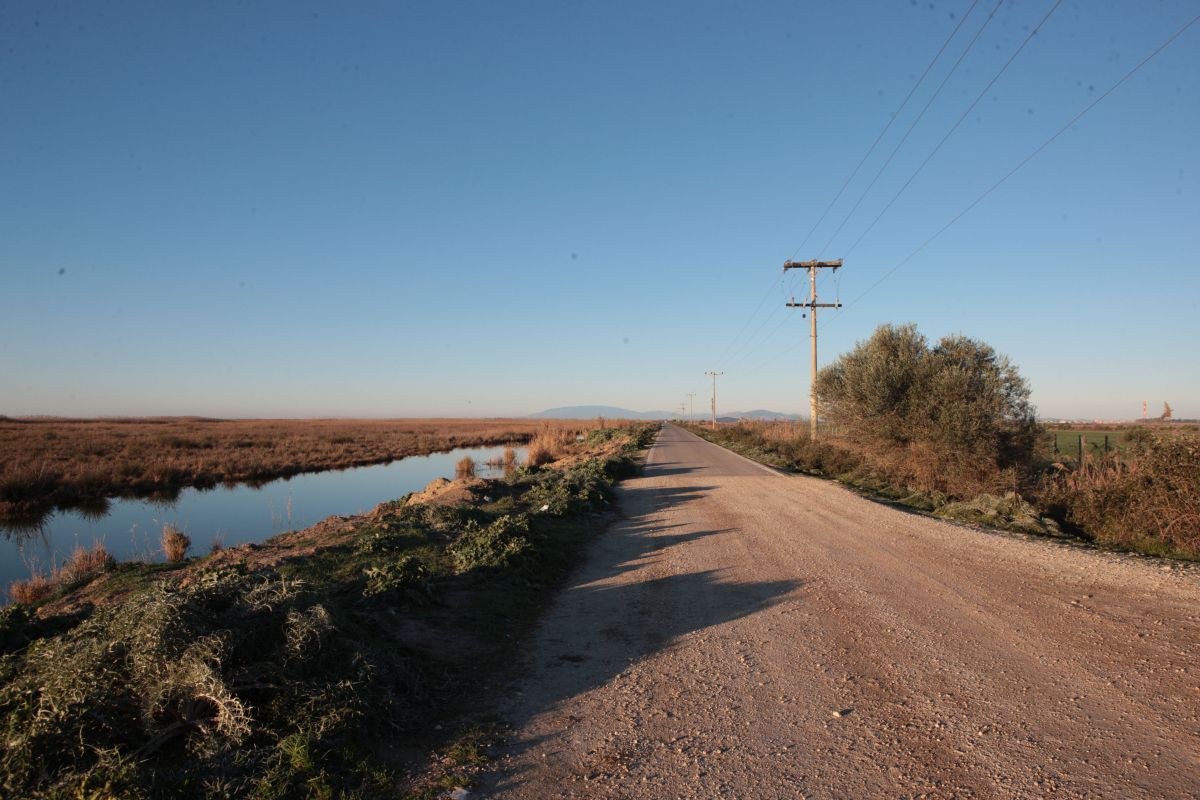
(624, 604)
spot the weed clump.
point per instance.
(408, 578)
(85, 564)
(583, 487)
(1010, 512)
(32, 591)
(175, 543)
(493, 545)
(465, 468)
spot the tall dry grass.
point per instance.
(175, 543)
(30, 592)
(82, 565)
(549, 444)
(85, 563)
(465, 468)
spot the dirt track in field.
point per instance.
(741, 633)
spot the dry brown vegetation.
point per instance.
(465, 468)
(32, 591)
(175, 543)
(550, 442)
(65, 462)
(1147, 500)
(83, 565)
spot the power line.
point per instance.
(1020, 165)
(1028, 158)
(750, 319)
(954, 127)
(729, 351)
(920, 116)
(895, 115)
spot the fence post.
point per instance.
(1082, 442)
(1106, 443)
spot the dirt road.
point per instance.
(746, 634)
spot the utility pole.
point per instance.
(812, 305)
(691, 404)
(714, 397)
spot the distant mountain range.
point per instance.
(612, 412)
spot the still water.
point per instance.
(131, 529)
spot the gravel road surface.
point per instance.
(741, 633)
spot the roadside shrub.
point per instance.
(175, 543)
(465, 468)
(953, 417)
(1150, 500)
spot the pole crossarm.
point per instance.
(813, 305)
(812, 264)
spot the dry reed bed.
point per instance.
(49, 462)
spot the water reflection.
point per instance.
(232, 514)
(94, 508)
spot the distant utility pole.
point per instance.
(812, 305)
(714, 397)
(691, 404)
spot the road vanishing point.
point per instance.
(743, 633)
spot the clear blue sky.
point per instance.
(492, 208)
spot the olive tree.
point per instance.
(959, 400)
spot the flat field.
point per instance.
(1063, 441)
(67, 462)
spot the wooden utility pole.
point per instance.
(812, 305)
(714, 397)
(691, 404)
